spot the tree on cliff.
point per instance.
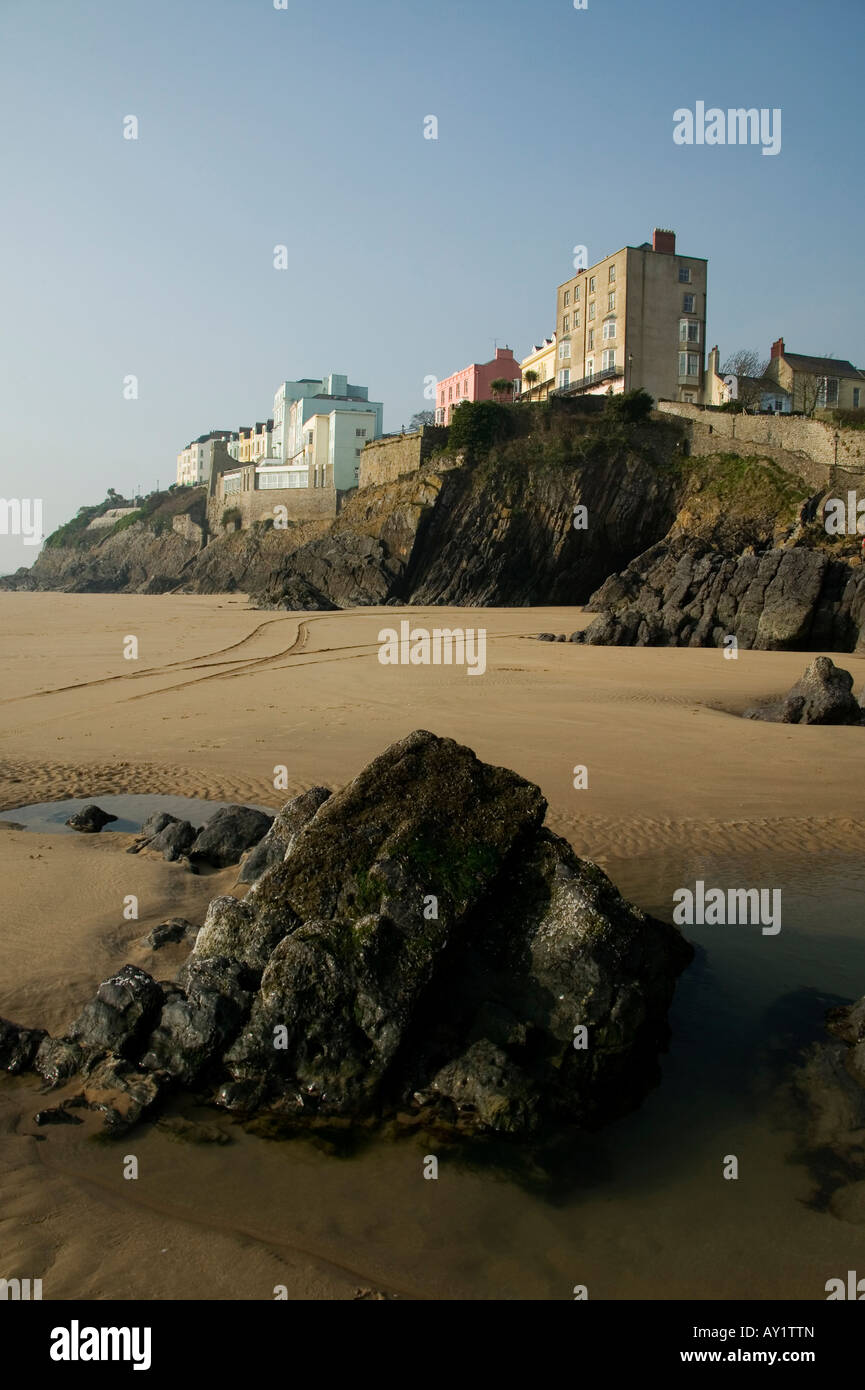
(421, 418)
(749, 369)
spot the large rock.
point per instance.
(199, 1019)
(823, 695)
(227, 834)
(449, 947)
(174, 840)
(90, 820)
(122, 1014)
(276, 844)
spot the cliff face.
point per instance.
(502, 532)
(136, 561)
(543, 518)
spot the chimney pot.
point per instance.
(778, 348)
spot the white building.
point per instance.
(193, 462)
(352, 419)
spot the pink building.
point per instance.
(473, 383)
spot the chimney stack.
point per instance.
(778, 348)
(664, 240)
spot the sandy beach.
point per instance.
(220, 698)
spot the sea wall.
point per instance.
(385, 460)
(824, 455)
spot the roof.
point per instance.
(820, 366)
(766, 383)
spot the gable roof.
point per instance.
(821, 366)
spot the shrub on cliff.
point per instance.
(477, 425)
(630, 408)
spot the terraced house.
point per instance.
(637, 318)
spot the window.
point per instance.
(566, 323)
(592, 284)
(357, 453)
(450, 393)
(591, 342)
(283, 479)
(609, 329)
(590, 367)
(688, 304)
(360, 434)
(576, 318)
(567, 297)
(230, 484)
(564, 349)
(612, 274)
(611, 300)
(684, 275)
(576, 294)
(591, 311)
(608, 358)
(828, 394)
(689, 331)
(856, 397)
(565, 377)
(779, 406)
(689, 364)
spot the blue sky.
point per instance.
(407, 257)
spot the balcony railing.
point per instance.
(608, 374)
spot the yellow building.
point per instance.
(635, 319)
(542, 362)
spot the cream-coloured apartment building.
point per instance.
(542, 362)
(635, 319)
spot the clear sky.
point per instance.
(408, 257)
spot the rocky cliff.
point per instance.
(543, 516)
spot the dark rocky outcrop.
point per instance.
(425, 943)
(824, 695)
(683, 592)
(200, 1019)
(90, 820)
(227, 834)
(280, 837)
(122, 1014)
(175, 840)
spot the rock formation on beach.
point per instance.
(90, 820)
(417, 943)
(824, 695)
(684, 592)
